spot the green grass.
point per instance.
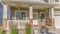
(14, 30)
(28, 29)
(1, 31)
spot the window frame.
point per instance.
(20, 11)
(56, 2)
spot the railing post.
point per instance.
(8, 24)
(18, 24)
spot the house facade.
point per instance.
(35, 12)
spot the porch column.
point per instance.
(5, 23)
(52, 11)
(5, 17)
(51, 15)
(31, 12)
(31, 15)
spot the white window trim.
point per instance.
(56, 2)
(20, 11)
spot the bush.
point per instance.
(28, 29)
(1, 31)
(14, 30)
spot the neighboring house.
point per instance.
(36, 12)
(1, 14)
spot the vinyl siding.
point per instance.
(57, 12)
(1, 13)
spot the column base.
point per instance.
(4, 24)
(50, 22)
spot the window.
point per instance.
(56, 0)
(20, 15)
(42, 15)
(35, 15)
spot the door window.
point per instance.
(42, 15)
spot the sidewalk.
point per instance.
(58, 31)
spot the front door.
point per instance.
(42, 18)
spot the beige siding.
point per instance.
(51, 1)
(57, 12)
(58, 6)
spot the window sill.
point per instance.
(57, 2)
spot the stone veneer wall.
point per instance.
(4, 24)
(1, 14)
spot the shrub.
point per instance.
(28, 29)
(14, 30)
(1, 31)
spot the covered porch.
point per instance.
(36, 14)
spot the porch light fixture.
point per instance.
(46, 10)
(18, 9)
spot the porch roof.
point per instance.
(37, 5)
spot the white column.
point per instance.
(5, 8)
(30, 12)
(51, 12)
(5, 11)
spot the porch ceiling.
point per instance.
(27, 4)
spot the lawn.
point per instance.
(1, 31)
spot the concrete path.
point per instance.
(57, 31)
